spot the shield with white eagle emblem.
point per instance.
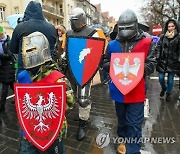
(126, 70)
(41, 110)
(84, 55)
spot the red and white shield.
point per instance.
(126, 70)
(41, 111)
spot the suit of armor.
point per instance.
(83, 94)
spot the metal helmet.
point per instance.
(127, 24)
(78, 19)
(35, 50)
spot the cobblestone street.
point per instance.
(163, 121)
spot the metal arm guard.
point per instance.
(84, 95)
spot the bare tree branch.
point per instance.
(158, 11)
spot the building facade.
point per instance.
(55, 11)
(88, 8)
(69, 6)
(7, 8)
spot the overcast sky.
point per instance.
(116, 7)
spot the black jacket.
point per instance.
(7, 71)
(33, 21)
(168, 52)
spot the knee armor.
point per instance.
(84, 95)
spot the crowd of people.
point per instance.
(126, 38)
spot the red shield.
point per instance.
(126, 70)
(84, 55)
(41, 110)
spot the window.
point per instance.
(69, 11)
(61, 9)
(2, 13)
(16, 10)
(53, 5)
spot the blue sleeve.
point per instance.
(113, 47)
(108, 51)
(110, 48)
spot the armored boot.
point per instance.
(81, 130)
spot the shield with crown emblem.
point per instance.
(126, 70)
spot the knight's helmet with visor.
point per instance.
(127, 24)
(35, 50)
(77, 19)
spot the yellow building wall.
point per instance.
(11, 5)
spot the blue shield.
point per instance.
(84, 55)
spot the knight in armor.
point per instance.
(48, 72)
(83, 94)
(34, 41)
(130, 107)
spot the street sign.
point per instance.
(157, 30)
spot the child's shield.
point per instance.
(41, 111)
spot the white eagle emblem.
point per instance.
(84, 53)
(40, 111)
(126, 69)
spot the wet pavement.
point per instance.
(162, 123)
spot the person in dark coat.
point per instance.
(7, 71)
(167, 52)
(33, 21)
